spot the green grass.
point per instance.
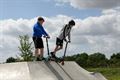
(109, 73)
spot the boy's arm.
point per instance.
(44, 32)
(69, 37)
(62, 28)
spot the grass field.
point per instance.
(109, 73)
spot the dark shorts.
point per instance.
(59, 42)
(38, 42)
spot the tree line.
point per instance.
(83, 59)
(95, 60)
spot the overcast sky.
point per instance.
(97, 24)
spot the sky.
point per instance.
(97, 24)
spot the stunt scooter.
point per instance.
(60, 60)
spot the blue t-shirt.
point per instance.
(38, 30)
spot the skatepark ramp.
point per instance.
(41, 70)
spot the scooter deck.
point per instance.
(57, 60)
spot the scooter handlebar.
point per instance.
(46, 37)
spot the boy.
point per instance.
(65, 31)
(38, 32)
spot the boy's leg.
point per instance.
(41, 52)
(41, 48)
(37, 52)
(37, 49)
(59, 45)
(57, 48)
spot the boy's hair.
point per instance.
(40, 19)
(72, 22)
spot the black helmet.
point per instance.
(72, 22)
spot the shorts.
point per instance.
(38, 42)
(59, 42)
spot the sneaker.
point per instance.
(38, 59)
(34, 58)
(42, 58)
(53, 55)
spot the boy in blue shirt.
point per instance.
(38, 32)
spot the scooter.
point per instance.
(60, 60)
(63, 58)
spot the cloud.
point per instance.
(92, 34)
(112, 11)
(11, 29)
(100, 33)
(101, 4)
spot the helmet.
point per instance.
(72, 22)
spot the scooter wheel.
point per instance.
(62, 63)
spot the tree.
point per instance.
(25, 48)
(69, 58)
(97, 60)
(81, 59)
(115, 60)
(10, 60)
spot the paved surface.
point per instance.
(46, 71)
(14, 71)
